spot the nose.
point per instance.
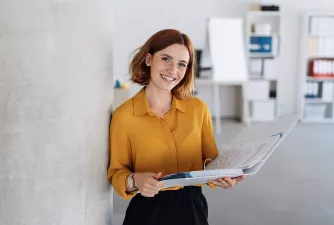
(172, 68)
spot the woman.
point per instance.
(162, 130)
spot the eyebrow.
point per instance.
(172, 58)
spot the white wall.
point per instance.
(137, 20)
(55, 95)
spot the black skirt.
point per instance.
(180, 207)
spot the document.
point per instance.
(245, 155)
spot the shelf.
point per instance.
(321, 35)
(325, 120)
(264, 13)
(316, 100)
(254, 78)
(261, 55)
(310, 14)
(261, 100)
(261, 35)
(321, 56)
(322, 109)
(263, 75)
(320, 79)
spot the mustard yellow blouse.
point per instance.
(141, 141)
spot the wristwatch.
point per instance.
(131, 182)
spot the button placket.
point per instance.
(172, 144)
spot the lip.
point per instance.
(168, 76)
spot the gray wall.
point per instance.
(55, 95)
(137, 20)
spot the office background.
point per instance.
(59, 60)
(142, 18)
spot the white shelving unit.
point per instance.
(316, 68)
(261, 90)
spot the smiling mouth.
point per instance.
(167, 78)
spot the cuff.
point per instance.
(211, 185)
(119, 184)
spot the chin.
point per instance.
(164, 88)
(167, 87)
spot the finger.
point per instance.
(155, 183)
(222, 184)
(240, 178)
(156, 175)
(217, 183)
(224, 180)
(152, 187)
(229, 181)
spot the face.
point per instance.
(168, 66)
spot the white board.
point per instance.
(227, 49)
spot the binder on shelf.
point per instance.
(321, 25)
(312, 90)
(327, 93)
(244, 155)
(264, 44)
(271, 69)
(322, 68)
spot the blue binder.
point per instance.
(259, 44)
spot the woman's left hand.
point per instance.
(227, 182)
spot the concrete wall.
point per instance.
(55, 95)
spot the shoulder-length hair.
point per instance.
(140, 73)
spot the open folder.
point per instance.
(244, 155)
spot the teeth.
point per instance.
(168, 78)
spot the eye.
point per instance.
(182, 64)
(165, 59)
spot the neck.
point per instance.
(158, 98)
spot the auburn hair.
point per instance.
(140, 73)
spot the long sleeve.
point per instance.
(209, 147)
(120, 157)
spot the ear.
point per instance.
(148, 59)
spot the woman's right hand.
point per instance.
(147, 183)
